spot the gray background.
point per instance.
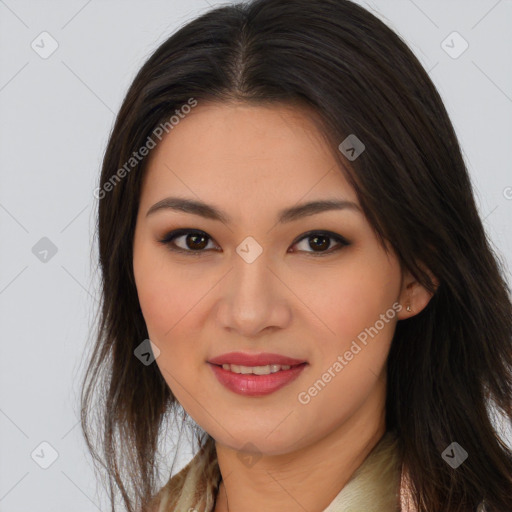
(55, 116)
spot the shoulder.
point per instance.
(174, 485)
(195, 486)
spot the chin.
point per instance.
(259, 442)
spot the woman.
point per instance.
(285, 213)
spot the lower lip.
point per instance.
(256, 385)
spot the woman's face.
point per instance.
(258, 281)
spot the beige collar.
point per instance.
(376, 486)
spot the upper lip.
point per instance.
(263, 359)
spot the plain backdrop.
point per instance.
(56, 112)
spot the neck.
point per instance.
(308, 478)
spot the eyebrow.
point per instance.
(287, 215)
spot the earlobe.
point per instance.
(414, 297)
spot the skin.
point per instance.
(251, 162)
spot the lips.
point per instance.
(256, 385)
(250, 384)
(263, 359)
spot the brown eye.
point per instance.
(320, 242)
(195, 241)
(191, 241)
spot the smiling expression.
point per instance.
(228, 259)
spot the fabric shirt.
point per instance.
(378, 485)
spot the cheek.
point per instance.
(170, 301)
(361, 306)
(165, 296)
(167, 301)
(355, 318)
(346, 301)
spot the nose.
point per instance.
(254, 299)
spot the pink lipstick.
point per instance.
(255, 374)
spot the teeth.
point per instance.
(256, 370)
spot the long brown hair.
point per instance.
(449, 366)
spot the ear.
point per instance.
(414, 295)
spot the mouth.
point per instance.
(257, 370)
(249, 360)
(254, 381)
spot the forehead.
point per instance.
(228, 152)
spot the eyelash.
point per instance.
(168, 240)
